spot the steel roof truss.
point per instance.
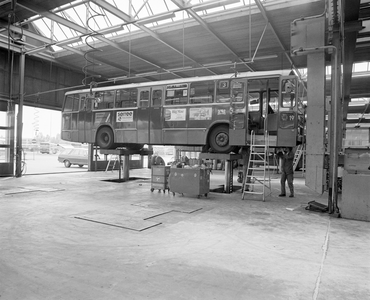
(47, 14)
(195, 16)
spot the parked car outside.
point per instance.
(74, 156)
(48, 148)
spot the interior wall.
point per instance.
(40, 77)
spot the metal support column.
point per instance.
(18, 168)
(315, 137)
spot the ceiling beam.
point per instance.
(274, 31)
(52, 16)
(158, 38)
(196, 17)
(113, 10)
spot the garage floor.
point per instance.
(76, 236)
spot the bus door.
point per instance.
(155, 122)
(85, 119)
(143, 115)
(287, 121)
(238, 127)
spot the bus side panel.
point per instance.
(156, 126)
(287, 129)
(74, 131)
(200, 119)
(125, 136)
(85, 127)
(125, 126)
(175, 126)
(143, 125)
(287, 137)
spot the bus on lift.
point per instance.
(216, 112)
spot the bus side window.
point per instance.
(66, 121)
(71, 102)
(104, 100)
(223, 91)
(157, 98)
(76, 103)
(288, 99)
(144, 99)
(126, 98)
(202, 92)
(176, 96)
(82, 103)
(109, 98)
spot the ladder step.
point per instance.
(256, 193)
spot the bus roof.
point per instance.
(263, 74)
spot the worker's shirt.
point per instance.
(287, 162)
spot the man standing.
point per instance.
(287, 172)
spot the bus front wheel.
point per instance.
(105, 138)
(219, 139)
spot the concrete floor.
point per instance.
(75, 236)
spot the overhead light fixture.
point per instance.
(112, 29)
(36, 50)
(248, 59)
(147, 74)
(218, 64)
(214, 4)
(69, 41)
(156, 18)
(180, 69)
(5, 2)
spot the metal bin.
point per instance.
(189, 181)
(160, 175)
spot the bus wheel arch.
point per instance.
(105, 138)
(218, 138)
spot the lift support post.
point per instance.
(123, 164)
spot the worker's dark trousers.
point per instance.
(289, 178)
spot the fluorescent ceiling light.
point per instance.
(156, 18)
(218, 64)
(357, 116)
(69, 41)
(147, 74)
(261, 57)
(36, 50)
(214, 4)
(5, 2)
(180, 69)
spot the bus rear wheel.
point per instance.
(105, 138)
(219, 139)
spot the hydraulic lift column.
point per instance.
(124, 164)
(229, 158)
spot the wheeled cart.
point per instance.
(160, 175)
(189, 181)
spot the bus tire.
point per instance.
(219, 139)
(105, 138)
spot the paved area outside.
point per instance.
(79, 236)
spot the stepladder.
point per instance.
(298, 155)
(257, 181)
(113, 159)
